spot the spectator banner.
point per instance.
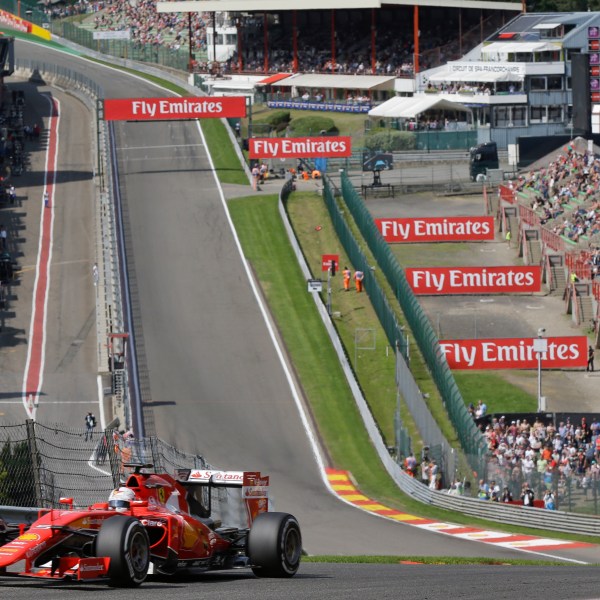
(306, 147)
(437, 229)
(163, 109)
(474, 280)
(14, 22)
(324, 106)
(515, 353)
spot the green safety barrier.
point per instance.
(471, 439)
(378, 299)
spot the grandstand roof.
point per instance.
(273, 79)
(279, 6)
(410, 108)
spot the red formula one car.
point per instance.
(159, 524)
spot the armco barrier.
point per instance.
(503, 513)
(406, 382)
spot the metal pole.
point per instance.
(539, 409)
(191, 54)
(329, 291)
(214, 23)
(249, 115)
(540, 345)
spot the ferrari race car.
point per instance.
(158, 524)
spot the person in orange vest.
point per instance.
(347, 273)
(358, 279)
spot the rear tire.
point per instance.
(125, 541)
(275, 545)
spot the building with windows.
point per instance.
(521, 80)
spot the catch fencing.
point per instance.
(470, 437)
(39, 464)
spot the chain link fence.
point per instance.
(39, 464)
(470, 437)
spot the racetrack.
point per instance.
(346, 582)
(216, 382)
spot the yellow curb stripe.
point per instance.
(338, 478)
(404, 517)
(375, 507)
(344, 488)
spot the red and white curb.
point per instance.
(343, 486)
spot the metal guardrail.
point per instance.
(428, 428)
(537, 518)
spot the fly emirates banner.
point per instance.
(474, 280)
(307, 147)
(515, 353)
(168, 109)
(437, 229)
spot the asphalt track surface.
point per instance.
(345, 582)
(217, 385)
(69, 365)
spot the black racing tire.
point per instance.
(125, 541)
(275, 545)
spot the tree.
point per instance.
(17, 486)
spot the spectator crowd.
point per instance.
(541, 460)
(395, 51)
(565, 194)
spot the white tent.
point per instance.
(410, 108)
(346, 82)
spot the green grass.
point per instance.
(499, 395)
(305, 338)
(225, 159)
(347, 123)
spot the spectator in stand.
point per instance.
(481, 409)
(527, 495)
(549, 502)
(483, 492)
(494, 491)
(506, 495)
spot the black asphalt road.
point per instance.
(345, 582)
(217, 386)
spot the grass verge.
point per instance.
(316, 363)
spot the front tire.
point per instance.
(125, 541)
(275, 545)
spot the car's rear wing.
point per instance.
(255, 487)
(211, 478)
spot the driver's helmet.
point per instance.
(121, 499)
